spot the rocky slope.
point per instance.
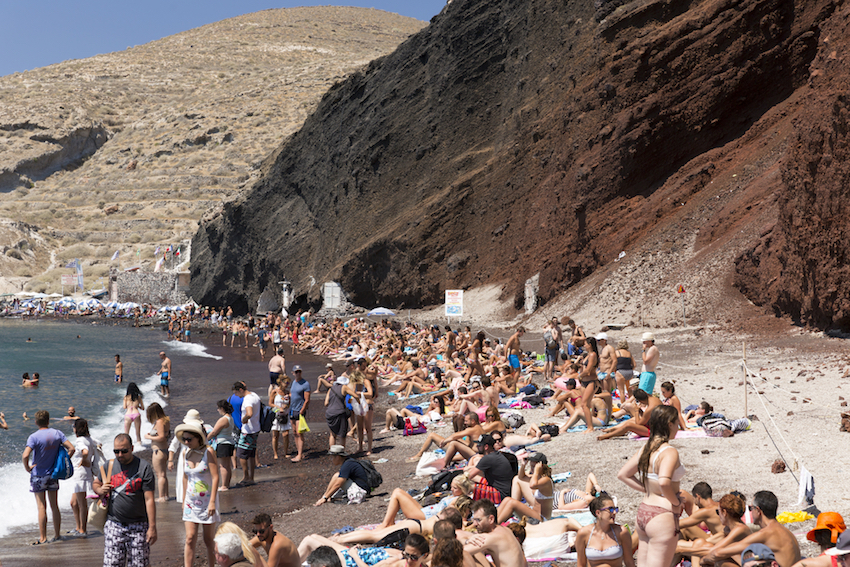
(545, 137)
(127, 150)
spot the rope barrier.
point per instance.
(770, 416)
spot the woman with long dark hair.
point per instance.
(81, 481)
(223, 436)
(589, 379)
(656, 471)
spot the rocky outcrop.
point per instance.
(802, 266)
(506, 139)
(68, 150)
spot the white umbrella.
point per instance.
(380, 312)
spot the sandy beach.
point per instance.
(796, 404)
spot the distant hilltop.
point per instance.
(600, 154)
(126, 151)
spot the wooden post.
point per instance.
(746, 379)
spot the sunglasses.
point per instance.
(611, 509)
(410, 556)
(120, 451)
(187, 438)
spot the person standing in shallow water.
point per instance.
(164, 375)
(43, 446)
(119, 369)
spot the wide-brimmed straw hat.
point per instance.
(195, 427)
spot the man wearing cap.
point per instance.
(772, 534)
(758, 555)
(351, 478)
(246, 447)
(650, 361)
(300, 396)
(607, 362)
(496, 470)
(130, 527)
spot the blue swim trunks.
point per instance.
(369, 556)
(514, 360)
(163, 379)
(647, 382)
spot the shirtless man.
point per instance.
(472, 431)
(281, 551)
(640, 418)
(119, 369)
(514, 351)
(277, 366)
(772, 534)
(607, 362)
(493, 539)
(72, 414)
(706, 513)
(164, 375)
(650, 361)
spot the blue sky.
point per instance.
(37, 33)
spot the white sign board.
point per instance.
(69, 279)
(454, 303)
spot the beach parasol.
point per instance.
(380, 312)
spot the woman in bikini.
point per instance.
(605, 543)
(589, 379)
(625, 368)
(401, 501)
(158, 436)
(656, 471)
(537, 489)
(669, 398)
(134, 405)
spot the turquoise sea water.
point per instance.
(75, 372)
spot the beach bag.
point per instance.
(534, 400)
(514, 420)
(442, 481)
(302, 425)
(546, 393)
(372, 475)
(63, 469)
(98, 507)
(267, 417)
(551, 344)
(413, 426)
(550, 429)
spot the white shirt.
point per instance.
(251, 425)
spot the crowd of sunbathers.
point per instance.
(490, 476)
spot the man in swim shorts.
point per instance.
(650, 361)
(119, 369)
(607, 362)
(164, 375)
(514, 351)
(277, 366)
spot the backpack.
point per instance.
(372, 475)
(550, 340)
(62, 468)
(267, 417)
(514, 420)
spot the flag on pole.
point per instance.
(159, 263)
(168, 249)
(79, 273)
(177, 252)
(155, 252)
(115, 256)
(71, 264)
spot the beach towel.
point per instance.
(689, 434)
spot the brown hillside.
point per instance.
(127, 150)
(513, 139)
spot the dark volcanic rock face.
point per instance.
(504, 140)
(801, 266)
